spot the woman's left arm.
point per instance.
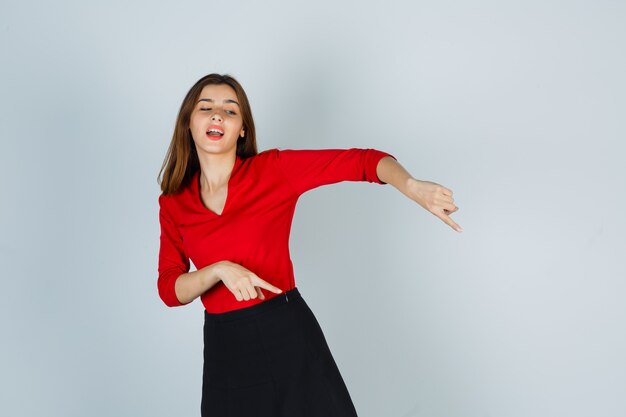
(435, 198)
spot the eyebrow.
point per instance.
(211, 100)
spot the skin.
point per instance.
(217, 159)
(433, 197)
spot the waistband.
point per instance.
(282, 298)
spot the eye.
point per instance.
(209, 108)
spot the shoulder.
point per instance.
(266, 157)
(165, 203)
(279, 154)
(171, 199)
(171, 204)
(268, 153)
(278, 151)
(163, 200)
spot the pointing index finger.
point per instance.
(446, 219)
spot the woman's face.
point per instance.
(216, 108)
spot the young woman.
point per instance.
(229, 209)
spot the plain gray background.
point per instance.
(517, 106)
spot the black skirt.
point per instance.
(271, 360)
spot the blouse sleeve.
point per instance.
(172, 258)
(306, 169)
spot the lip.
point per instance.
(215, 127)
(215, 138)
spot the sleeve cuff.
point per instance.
(167, 288)
(374, 159)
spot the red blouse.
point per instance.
(253, 229)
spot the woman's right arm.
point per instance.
(191, 285)
(242, 282)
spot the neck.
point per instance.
(215, 170)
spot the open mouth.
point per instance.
(215, 132)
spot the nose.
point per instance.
(216, 117)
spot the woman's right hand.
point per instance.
(242, 282)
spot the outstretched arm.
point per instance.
(435, 198)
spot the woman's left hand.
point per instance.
(435, 198)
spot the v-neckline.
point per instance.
(198, 192)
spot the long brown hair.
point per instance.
(181, 161)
